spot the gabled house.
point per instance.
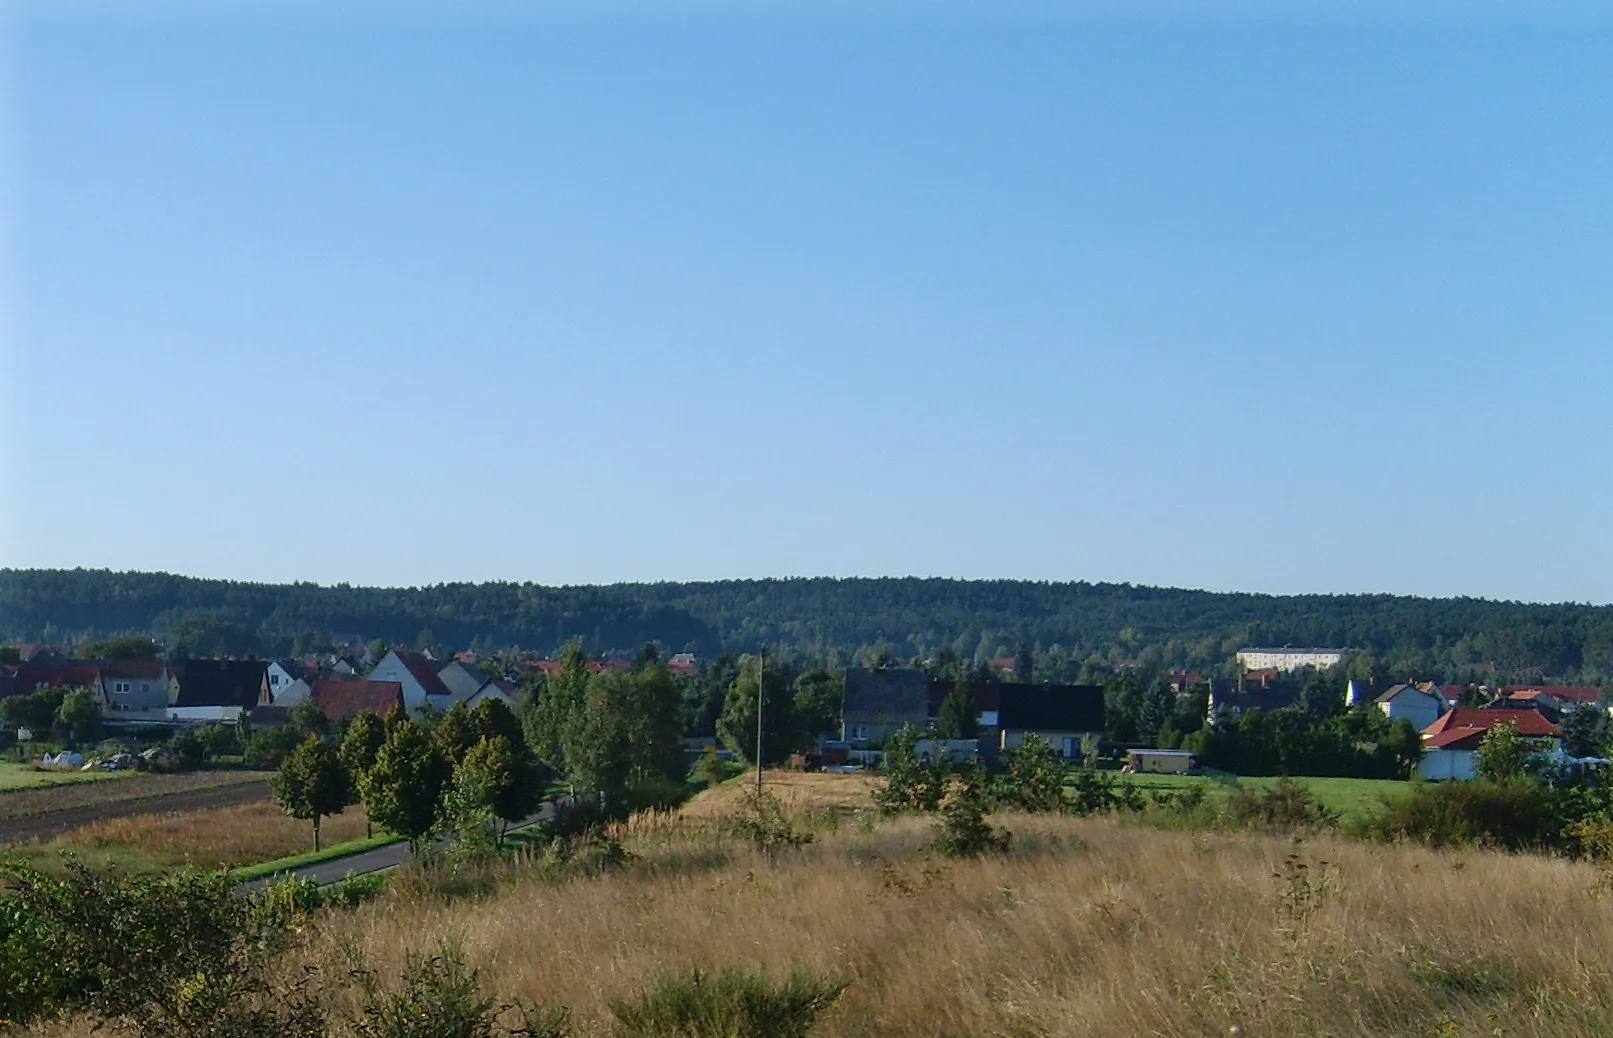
(422, 687)
(877, 703)
(463, 679)
(1421, 705)
(1450, 744)
(496, 688)
(1063, 715)
(339, 700)
(215, 690)
(135, 690)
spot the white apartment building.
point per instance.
(1287, 658)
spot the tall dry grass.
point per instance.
(1087, 927)
(214, 838)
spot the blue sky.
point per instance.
(1235, 301)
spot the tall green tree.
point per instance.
(559, 708)
(1505, 756)
(599, 749)
(456, 732)
(311, 784)
(79, 716)
(365, 736)
(1024, 664)
(737, 726)
(957, 718)
(493, 719)
(403, 789)
(502, 778)
(816, 706)
(1033, 777)
(655, 722)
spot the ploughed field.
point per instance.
(34, 814)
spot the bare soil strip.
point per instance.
(41, 819)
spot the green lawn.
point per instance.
(1350, 797)
(21, 776)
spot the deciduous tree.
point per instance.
(311, 783)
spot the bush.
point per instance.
(964, 831)
(1285, 806)
(763, 823)
(711, 770)
(728, 1003)
(1513, 815)
(266, 748)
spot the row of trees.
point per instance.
(416, 777)
(1076, 629)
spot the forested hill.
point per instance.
(1449, 638)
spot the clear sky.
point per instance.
(1232, 300)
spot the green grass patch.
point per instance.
(297, 861)
(23, 776)
(1350, 798)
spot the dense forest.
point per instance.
(1067, 625)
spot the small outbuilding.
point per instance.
(1159, 762)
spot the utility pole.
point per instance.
(761, 685)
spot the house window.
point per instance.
(122, 688)
(274, 679)
(857, 731)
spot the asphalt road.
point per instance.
(375, 860)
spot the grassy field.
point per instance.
(22, 776)
(1085, 926)
(29, 801)
(1350, 797)
(228, 836)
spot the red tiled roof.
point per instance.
(341, 699)
(1528, 722)
(1572, 693)
(1455, 739)
(140, 670)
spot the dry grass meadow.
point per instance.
(1087, 927)
(215, 838)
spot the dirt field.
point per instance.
(43, 813)
(796, 791)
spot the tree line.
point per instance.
(835, 623)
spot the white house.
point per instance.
(1451, 755)
(1422, 707)
(493, 689)
(422, 687)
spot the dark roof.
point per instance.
(1278, 698)
(137, 670)
(1050, 708)
(886, 696)
(340, 699)
(424, 671)
(220, 682)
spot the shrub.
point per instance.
(964, 831)
(1513, 815)
(1285, 806)
(266, 748)
(763, 823)
(711, 770)
(728, 1003)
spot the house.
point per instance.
(1421, 705)
(24, 678)
(463, 679)
(1226, 702)
(1557, 698)
(1286, 658)
(210, 685)
(134, 690)
(422, 687)
(1063, 715)
(877, 703)
(496, 688)
(339, 699)
(1450, 744)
